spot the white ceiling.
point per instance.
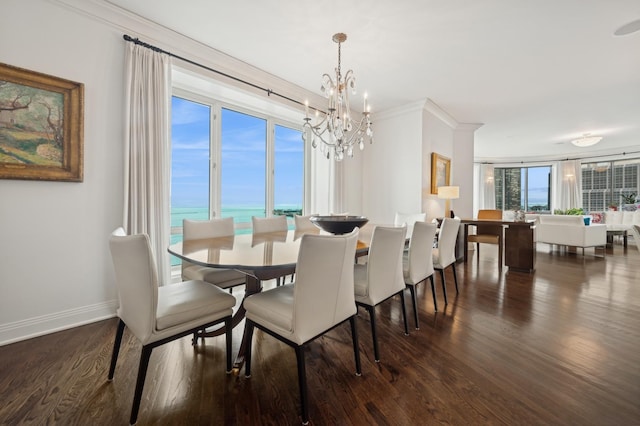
(535, 73)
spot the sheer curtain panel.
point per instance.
(147, 149)
(569, 184)
(486, 188)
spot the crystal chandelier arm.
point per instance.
(337, 131)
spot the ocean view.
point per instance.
(240, 215)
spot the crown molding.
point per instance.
(622, 153)
(440, 113)
(178, 44)
(402, 110)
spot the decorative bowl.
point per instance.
(338, 224)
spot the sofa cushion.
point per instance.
(613, 217)
(555, 219)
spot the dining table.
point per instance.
(260, 256)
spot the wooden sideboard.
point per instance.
(519, 242)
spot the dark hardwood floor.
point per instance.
(557, 347)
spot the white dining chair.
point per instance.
(408, 219)
(263, 225)
(303, 223)
(445, 254)
(381, 277)
(269, 224)
(157, 314)
(203, 229)
(321, 298)
(418, 262)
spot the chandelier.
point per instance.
(336, 131)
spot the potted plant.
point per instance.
(628, 202)
(613, 206)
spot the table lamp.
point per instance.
(448, 193)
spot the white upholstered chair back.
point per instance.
(202, 229)
(269, 224)
(384, 266)
(303, 223)
(445, 254)
(212, 228)
(419, 259)
(136, 281)
(323, 293)
(408, 219)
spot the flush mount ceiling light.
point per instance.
(586, 140)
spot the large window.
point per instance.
(608, 184)
(523, 188)
(228, 161)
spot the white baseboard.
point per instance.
(46, 324)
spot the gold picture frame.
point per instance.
(41, 126)
(440, 172)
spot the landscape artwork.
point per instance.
(440, 171)
(41, 126)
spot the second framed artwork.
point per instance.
(440, 171)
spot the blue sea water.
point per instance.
(239, 214)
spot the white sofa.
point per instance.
(569, 230)
(621, 220)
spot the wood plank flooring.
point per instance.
(560, 346)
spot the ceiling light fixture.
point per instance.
(586, 140)
(336, 130)
(628, 28)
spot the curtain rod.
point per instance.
(558, 159)
(239, 80)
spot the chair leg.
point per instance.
(478, 250)
(228, 328)
(116, 349)
(356, 347)
(404, 312)
(455, 276)
(142, 374)
(433, 293)
(500, 254)
(248, 332)
(444, 287)
(302, 384)
(412, 290)
(374, 335)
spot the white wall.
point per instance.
(393, 164)
(55, 269)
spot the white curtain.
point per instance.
(147, 149)
(486, 188)
(569, 185)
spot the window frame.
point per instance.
(215, 150)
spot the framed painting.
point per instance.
(41, 126)
(440, 172)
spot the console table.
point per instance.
(519, 242)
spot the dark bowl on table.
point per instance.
(338, 224)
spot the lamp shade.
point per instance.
(449, 192)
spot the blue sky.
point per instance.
(243, 159)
